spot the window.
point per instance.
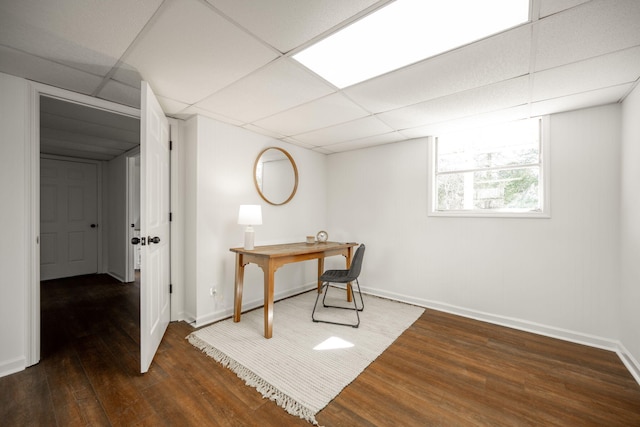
(493, 171)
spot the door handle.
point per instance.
(153, 239)
(135, 240)
(94, 225)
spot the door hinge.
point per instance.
(170, 145)
(170, 288)
(170, 216)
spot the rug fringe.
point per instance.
(251, 379)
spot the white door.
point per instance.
(68, 218)
(154, 226)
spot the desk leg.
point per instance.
(348, 262)
(269, 274)
(320, 272)
(237, 302)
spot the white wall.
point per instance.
(219, 178)
(14, 181)
(556, 276)
(630, 230)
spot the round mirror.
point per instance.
(275, 175)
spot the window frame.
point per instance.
(544, 212)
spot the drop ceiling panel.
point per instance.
(493, 117)
(501, 95)
(549, 7)
(171, 107)
(128, 75)
(41, 70)
(86, 35)
(498, 58)
(592, 29)
(86, 119)
(191, 52)
(286, 24)
(87, 142)
(596, 73)
(356, 129)
(387, 138)
(120, 93)
(327, 111)
(581, 100)
(279, 86)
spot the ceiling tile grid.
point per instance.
(584, 76)
(287, 24)
(42, 70)
(497, 96)
(191, 52)
(330, 110)
(278, 86)
(356, 129)
(79, 34)
(595, 28)
(497, 58)
(231, 61)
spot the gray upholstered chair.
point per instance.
(331, 279)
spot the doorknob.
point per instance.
(135, 240)
(153, 239)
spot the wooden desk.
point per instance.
(270, 258)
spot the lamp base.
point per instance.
(249, 238)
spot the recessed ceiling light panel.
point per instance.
(407, 31)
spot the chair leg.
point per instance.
(326, 287)
(354, 298)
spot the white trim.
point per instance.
(12, 366)
(117, 277)
(545, 213)
(251, 305)
(629, 361)
(32, 171)
(129, 250)
(32, 199)
(523, 325)
(177, 223)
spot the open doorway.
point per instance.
(88, 199)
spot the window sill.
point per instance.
(491, 214)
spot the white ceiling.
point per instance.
(75, 130)
(231, 60)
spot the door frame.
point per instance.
(32, 293)
(131, 182)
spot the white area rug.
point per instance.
(306, 364)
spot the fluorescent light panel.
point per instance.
(407, 31)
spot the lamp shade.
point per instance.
(250, 215)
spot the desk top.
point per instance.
(287, 249)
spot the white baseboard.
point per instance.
(12, 366)
(629, 361)
(227, 312)
(116, 276)
(564, 334)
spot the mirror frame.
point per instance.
(295, 173)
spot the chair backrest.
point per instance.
(356, 263)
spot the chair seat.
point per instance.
(337, 276)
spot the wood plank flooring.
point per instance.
(443, 371)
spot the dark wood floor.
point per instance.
(444, 370)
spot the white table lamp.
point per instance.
(249, 215)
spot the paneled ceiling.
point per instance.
(75, 130)
(231, 60)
